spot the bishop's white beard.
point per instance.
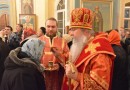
(77, 47)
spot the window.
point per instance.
(61, 16)
(127, 16)
(61, 5)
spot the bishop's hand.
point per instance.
(71, 71)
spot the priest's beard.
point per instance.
(77, 47)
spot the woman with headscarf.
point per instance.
(120, 73)
(22, 67)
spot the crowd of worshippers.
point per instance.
(79, 60)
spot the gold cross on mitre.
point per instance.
(92, 47)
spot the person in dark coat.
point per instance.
(15, 37)
(120, 73)
(125, 42)
(4, 51)
(23, 70)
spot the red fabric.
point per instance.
(90, 58)
(54, 78)
(104, 48)
(81, 17)
(114, 37)
(28, 32)
(57, 42)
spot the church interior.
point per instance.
(65, 44)
(12, 12)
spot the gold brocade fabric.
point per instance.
(90, 84)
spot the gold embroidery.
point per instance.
(71, 80)
(91, 19)
(49, 53)
(90, 84)
(92, 47)
(77, 14)
(63, 44)
(99, 80)
(86, 18)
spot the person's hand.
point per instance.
(71, 71)
(42, 68)
(56, 51)
(58, 54)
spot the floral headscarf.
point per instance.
(34, 49)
